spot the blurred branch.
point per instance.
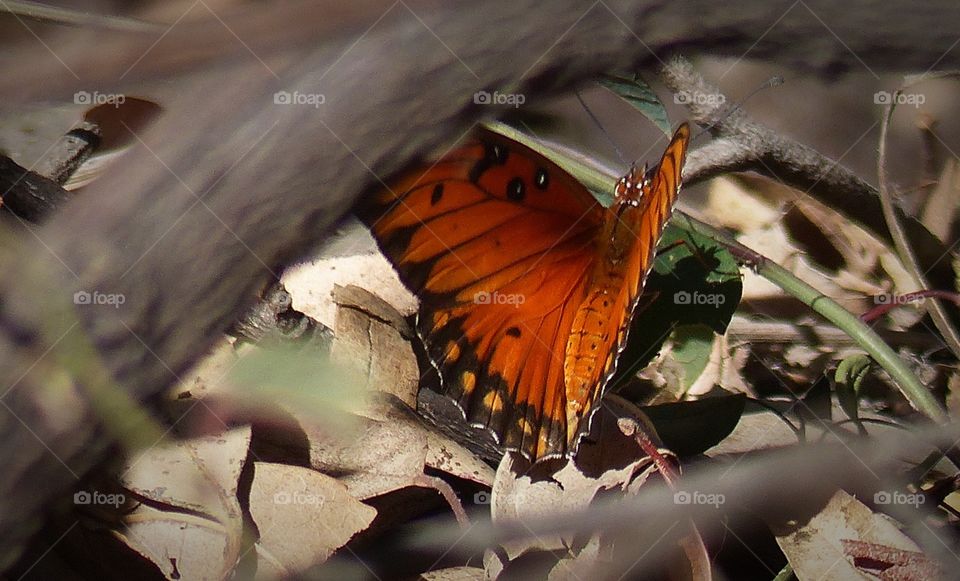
(894, 37)
(67, 16)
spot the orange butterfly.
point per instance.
(527, 284)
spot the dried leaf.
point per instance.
(522, 492)
(199, 475)
(349, 259)
(373, 338)
(756, 430)
(183, 546)
(821, 549)
(940, 208)
(389, 452)
(302, 516)
(455, 574)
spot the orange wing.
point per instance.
(633, 227)
(503, 248)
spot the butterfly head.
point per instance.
(630, 188)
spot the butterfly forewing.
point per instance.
(504, 249)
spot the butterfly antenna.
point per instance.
(774, 81)
(602, 130)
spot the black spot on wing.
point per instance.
(437, 194)
(516, 190)
(494, 154)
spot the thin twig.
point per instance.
(903, 247)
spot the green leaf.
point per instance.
(694, 281)
(692, 345)
(848, 377)
(637, 92)
(692, 427)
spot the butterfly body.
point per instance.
(527, 284)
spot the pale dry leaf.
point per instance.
(940, 208)
(774, 243)
(522, 493)
(372, 338)
(755, 431)
(711, 374)
(209, 373)
(199, 474)
(182, 545)
(802, 355)
(302, 517)
(388, 453)
(816, 549)
(868, 267)
(953, 394)
(730, 205)
(735, 359)
(448, 456)
(382, 456)
(351, 258)
(605, 466)
(455, 574)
